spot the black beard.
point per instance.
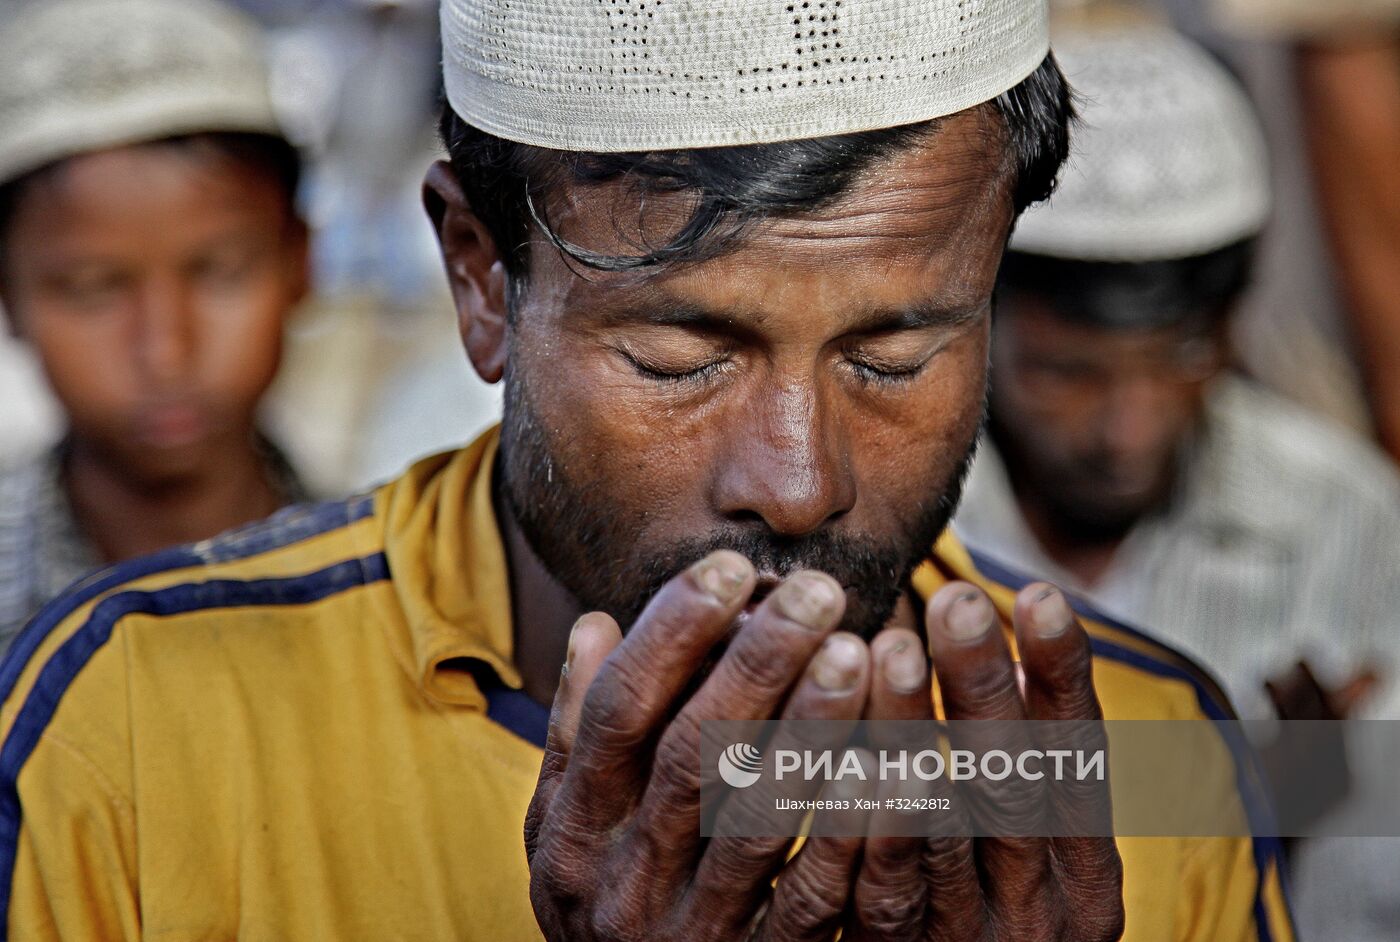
(593, 553)
(1064, 507)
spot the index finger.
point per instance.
(633, 694)
(1056, 656)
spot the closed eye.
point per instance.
(871, 370)
(670, 374)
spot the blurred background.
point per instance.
(1269, 551)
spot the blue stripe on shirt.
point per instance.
(284, 528)
(518, 712)
(1205, 684)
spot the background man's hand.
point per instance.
(1293, 763)
(1299, 695)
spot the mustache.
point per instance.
(857, 563)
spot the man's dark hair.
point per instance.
(1196, 292)
(264, 153)
(507, 183)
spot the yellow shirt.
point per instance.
(280, 735)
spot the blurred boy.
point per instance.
(150, 251)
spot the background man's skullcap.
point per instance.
(1169, 160)
(84, 75)
(621, 75)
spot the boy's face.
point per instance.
(153, 281)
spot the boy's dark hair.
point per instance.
(264, 153)
(1196, 292)
(507, 183)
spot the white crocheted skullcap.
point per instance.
(1168, 162)
(624, 75)
(83, 75)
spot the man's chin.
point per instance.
(1094, 519)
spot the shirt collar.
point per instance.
(449, 571)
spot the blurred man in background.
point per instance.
(150, 252)
(1122, 458)
(1125, 461)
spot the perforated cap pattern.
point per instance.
(82, 75)
(620, 75)
(1169, 160)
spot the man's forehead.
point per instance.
(118, 184)
(733, 308)
(941, 205)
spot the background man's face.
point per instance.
(809, 399)
(154, 281)
(1090, 420)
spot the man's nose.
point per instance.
(1140, 418)
(788, 464)
(165, 331)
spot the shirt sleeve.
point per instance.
(68, 850)
(74, 860)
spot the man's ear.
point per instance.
(475, 271)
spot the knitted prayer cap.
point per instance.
(624, 75)
(1169, 160)
(84, 75)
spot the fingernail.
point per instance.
(808, 599)
(722, 575)
(904, 668)
(838, 664)
(573, 647)
(1050, 614)
(970, 617)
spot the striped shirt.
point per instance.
(313, 729)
